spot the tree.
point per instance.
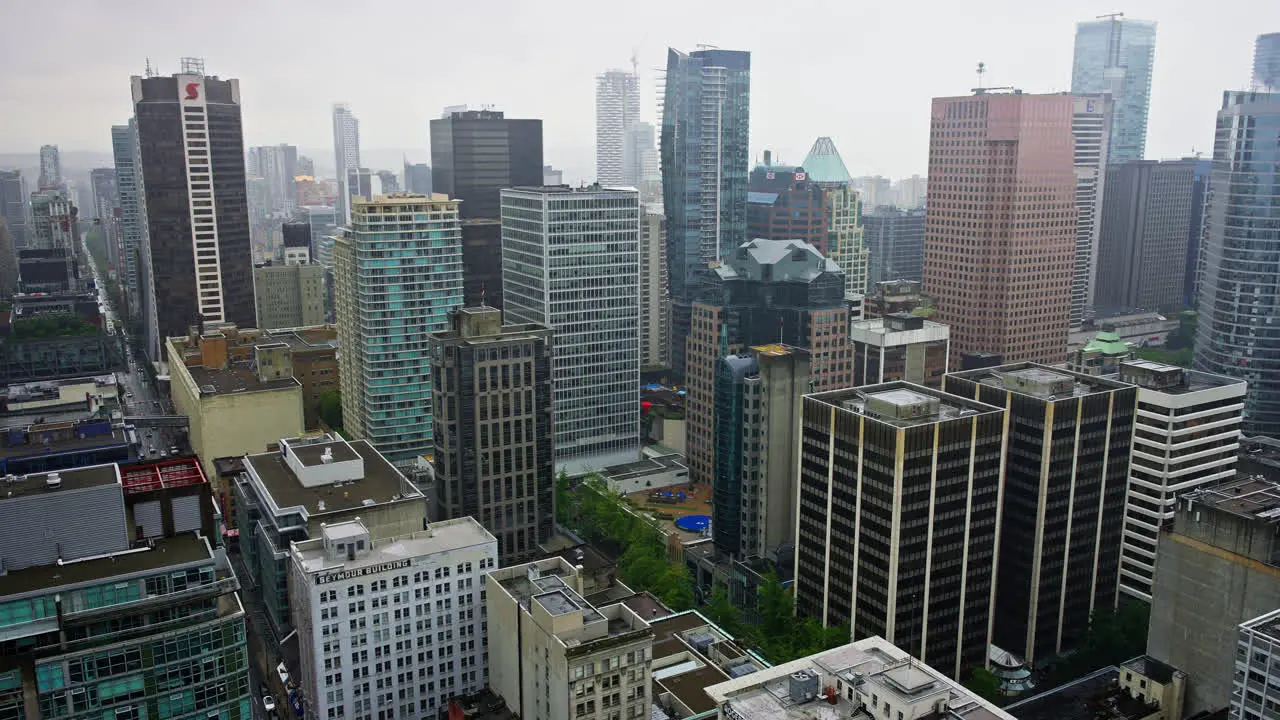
(331, 409)
(984, 684)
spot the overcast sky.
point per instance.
(858, 71)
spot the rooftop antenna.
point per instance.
(149, 72)
(982, 70)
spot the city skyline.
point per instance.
(1199, 56)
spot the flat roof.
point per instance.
(115, 438)
(438, 537)
(380, 483)
(313, 454)
(1080, 699)
(1034, 372)
(168, 552)
(1253, 497)
(73, 479)
(235, 379)
(1268, 625)
(951, 407)
(1152, 668)
(1193, 380)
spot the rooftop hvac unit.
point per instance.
(803, 686)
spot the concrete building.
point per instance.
(690, 655)
(1257, 672)
(1146, 221)
(92, 550)
(346, 155)
(897, 296)
(1018, 154)
(1266, 63)
(1063, 505)
(13, 205)
(313, 351)
(554, 655)
(757, 420)
(932, 460)
(1140, 688)
(1187, 435)
(876, 191)
(417, 178)
(289, 295)
(571, 262)
(910, 193)
(1102, 355)
(617, 112)
(292, 494)
(54, 222)
(706, 108)
(343, 582)
(1239, 280)
(386, 307)
(1114, 54)
(872, 677)
(388, 181)
(50, 168)
(895, 242)
(233, 397)
(8, 261)
(278, 166)
(655, 300)
(899, 346)
(764, 292)
(191, 150)
(494, 447)
(640, 161)
(843, 211)
(1091, 129)
(1217, 568)
(783, 205)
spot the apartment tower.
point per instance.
(617, 112)
(1114, 55)
(346, 155)
(1091, 128)
(1000, 234)
(655, 301)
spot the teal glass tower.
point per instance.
(1114, 55)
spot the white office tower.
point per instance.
(571, 262)
(1186, 434)
(393, 626)
(617, 111)
(1091, 130)
(346, 155)
(50, 167)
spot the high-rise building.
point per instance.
(390, 183)
(482, 262)
(193, 177)
(1238, 287)
(1195, 233)
(359, 184)
(552, 654)
(909, 193)
(704, 149)
(13, 205)
(54, 222)
(900, 487)
(495, 465)
(843, 211)
(1091, 129)
(1115, 55)
(50, 167)
(1216, 568)
(475, 154)
(640, 161)
(1062, 508)
(655, 303)
(764, 292)
(397, 272)
(1146, 221)
(1187, 436)
(295, 243)
(323, 223)
(783, 205)
(105, 211)
(278, 165)
(1000, 233)
(1257, 666)
(1266, 63)
(417, 178)
(124, 150)
(617, 112)
(344, 567)
(552, 176)
(899, 346)
(289, 295)
(876, 191)
(571, 262)
(895, 243)
(8, 262)
(346, 155)
(757, 418)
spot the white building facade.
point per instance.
(617, 111)
(571, 262)
(346, 154)
(1091, 130)
(392, 628)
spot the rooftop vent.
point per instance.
(320, 507)
(367, 502)
(53, 481)
(327, 456)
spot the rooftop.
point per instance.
(1096, 696)
(1253, 497)
(170, 551)
(1151, 668)
(898, 330)
(1268, 625)
(36, 444)
(381, 483)
(787, 260)
(1172, 379)
(438, 537)
(1040, 381)
(235, 379)
(12, 487)
(903, 404)
(691, 654)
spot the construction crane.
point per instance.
(1112, 16)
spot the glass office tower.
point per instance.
(1114, 55)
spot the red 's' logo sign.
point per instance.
(193, 91)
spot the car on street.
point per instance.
(268, 703)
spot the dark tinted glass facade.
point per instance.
(482, 262)
(477, 153)
(895, 240)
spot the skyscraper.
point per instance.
(278, 165)
(192, 163)
(1195, 233)
(895, 242)
(475, 154)
(50, 167)
(571, 262)
(494, 449)
(1266, 63)
(1234, 336)
(346, 155)
(1091, 129)
(389, 181)
(617, 111)
(842, 210)
(54, 222)
(1062, 509)
(1000, 234)
(13, 205)
(1114, 55)
(105, 212)
(899, 493)
(417, 178)
(395, 281)
(655, 341)
(783, 205)
(704, 151)
(1146, 220)
(640, 162)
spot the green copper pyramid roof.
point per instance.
(1107, 343)
(823, 163)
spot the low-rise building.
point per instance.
(291, 494)
(900, 346)
(46, 447)
(394, 623)
(895, 296)
(289, 295)
(1100, 356)
(870, 678)
(554, 655)
(1139, 689)
(691, 654)
(1257, 669)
